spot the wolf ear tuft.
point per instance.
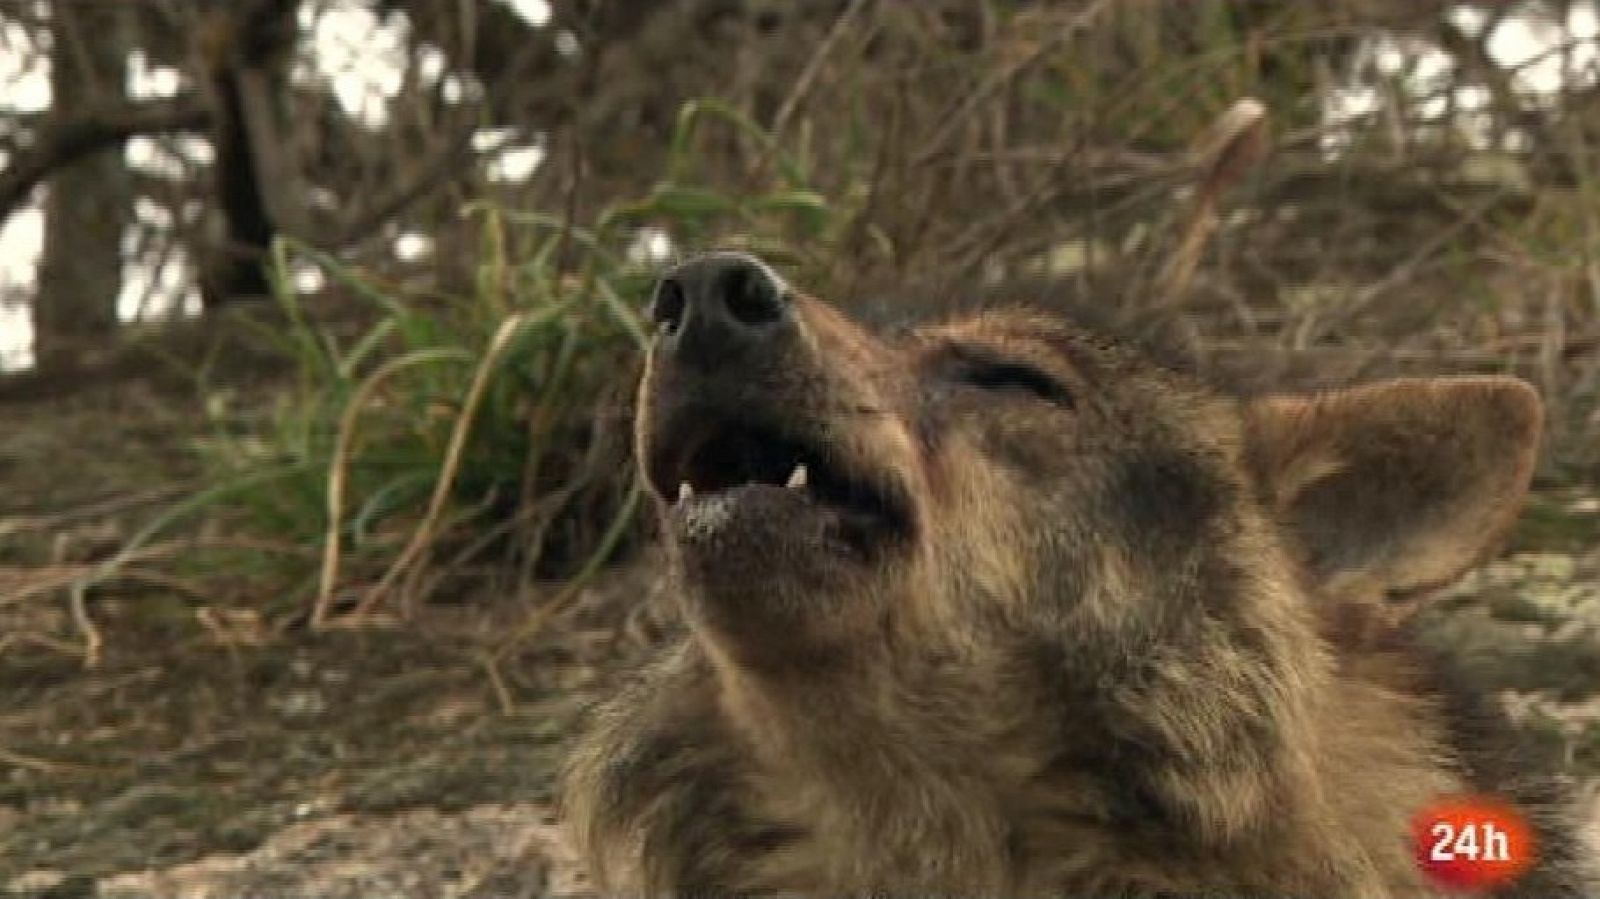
(1397, 487)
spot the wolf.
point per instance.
(1003, 607)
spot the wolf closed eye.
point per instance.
(995, 375)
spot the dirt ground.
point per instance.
(208, 756)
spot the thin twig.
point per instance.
(1004, 76)
(34, 763)
(497, 682)
(17, 585)
(45, 640)
(93, 642)
(802, 85)
(1229, 149)
(1407, 269)
(338, 467)
(569, 591)
(101, 509)
(452, 462)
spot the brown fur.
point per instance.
(1139, 639)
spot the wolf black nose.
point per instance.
(718, 306)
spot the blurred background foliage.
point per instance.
(392, 253)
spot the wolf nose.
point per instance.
(719, 305)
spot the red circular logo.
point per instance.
(1472, 843)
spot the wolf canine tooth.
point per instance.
(797, 478)
(685, 491)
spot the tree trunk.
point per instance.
(88, 203)
(245, 51)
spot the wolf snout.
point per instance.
(720, 308)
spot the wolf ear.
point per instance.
(1396, 487)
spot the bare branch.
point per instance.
(1234, 144)
(64, 142)
(1005, 75)
(445, 161)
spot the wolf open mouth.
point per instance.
(725, 462)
